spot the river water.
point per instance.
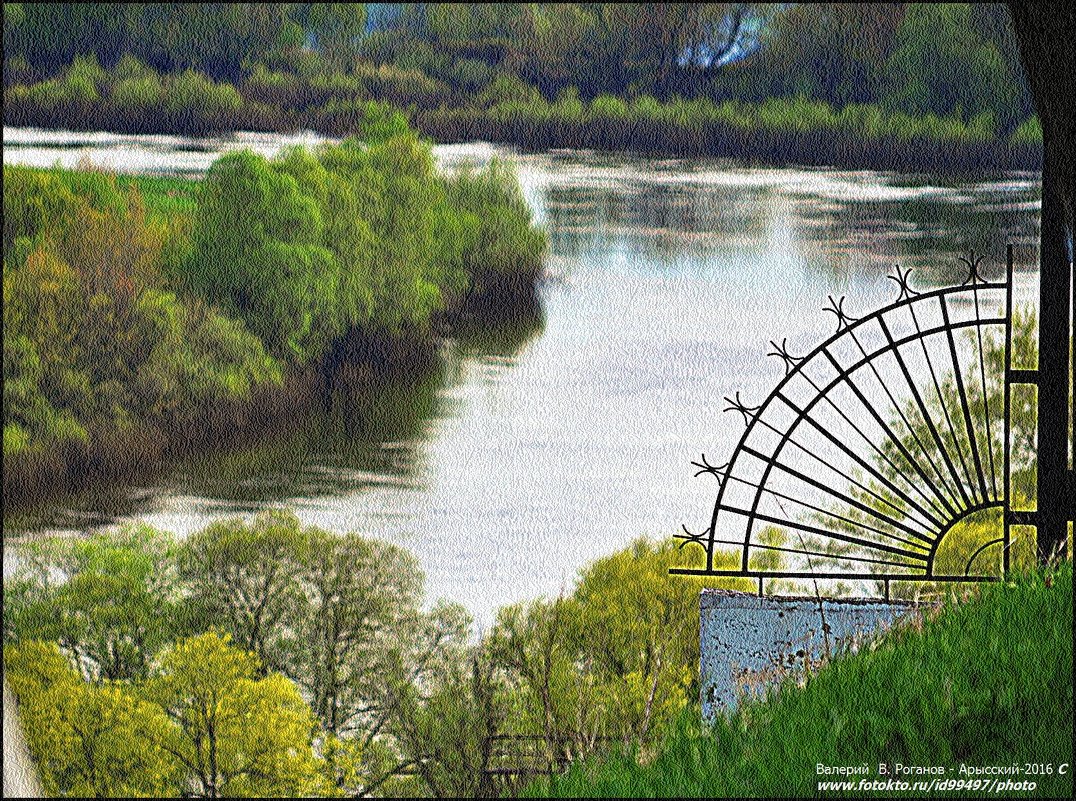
(530, 450)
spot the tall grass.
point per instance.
(777, 130)
(986, 682)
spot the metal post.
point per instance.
(1006, 489)
(1055, 303)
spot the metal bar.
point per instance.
(829, 512)
(892, 435)
(979, 550)
(923, 410)
(771, 461)
(867, 439)
(1021, 517)
(904, 418)
(757, 417)
(1055, 304)
(786, 438)
(836, 535)
(849, 452)
(986, 398)
(1023, 376)
(937, 390)
(844, 498)
(964, 398)
(842, 474)
(840, 558)
(1007, 426)
(687, 571)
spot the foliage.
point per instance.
(109, 602)
(949, 74)
(234, 734)
(323, 636)
(142, 300)
(89, 741)
(92, 337)
(244, 579)
(502, 249)
(257, 252)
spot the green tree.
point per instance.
(235, 734)
(338, 28)
(642, 636)
(244, 578)
(109, 601)
(89, 741)
(449, 733)
(942, 65)
(537, 646)
(257, 252)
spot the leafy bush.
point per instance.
(502, 249)
(1028, 133)
(257, 252)
(141, 92)
(190, 92)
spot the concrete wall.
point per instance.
(748, 643)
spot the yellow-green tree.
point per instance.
(234, 734)
(90, 741)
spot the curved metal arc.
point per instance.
(944, 291)
(805, 411)
(995, 504)
(979, 550)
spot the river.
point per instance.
(528, 451)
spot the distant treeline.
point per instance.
(135, 307)
(872, 84)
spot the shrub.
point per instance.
(608, 107)
(140, 93)
(503, 250)
(257, 252)
(1028, 133)
(194, 94)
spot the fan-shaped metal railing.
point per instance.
(874, 446)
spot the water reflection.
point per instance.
(524, 451)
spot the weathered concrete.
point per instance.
(748, 643)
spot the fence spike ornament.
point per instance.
(836, 307)
(781, 351)
(906, 291)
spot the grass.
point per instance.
(985, 682)
(165, 195)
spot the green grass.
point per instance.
(164, 195)
(987, 682)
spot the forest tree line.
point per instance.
(270, 658)
(896, 74)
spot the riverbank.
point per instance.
(778, 132)
(822, 147)
(127, 343)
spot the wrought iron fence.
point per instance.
(876, 445)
